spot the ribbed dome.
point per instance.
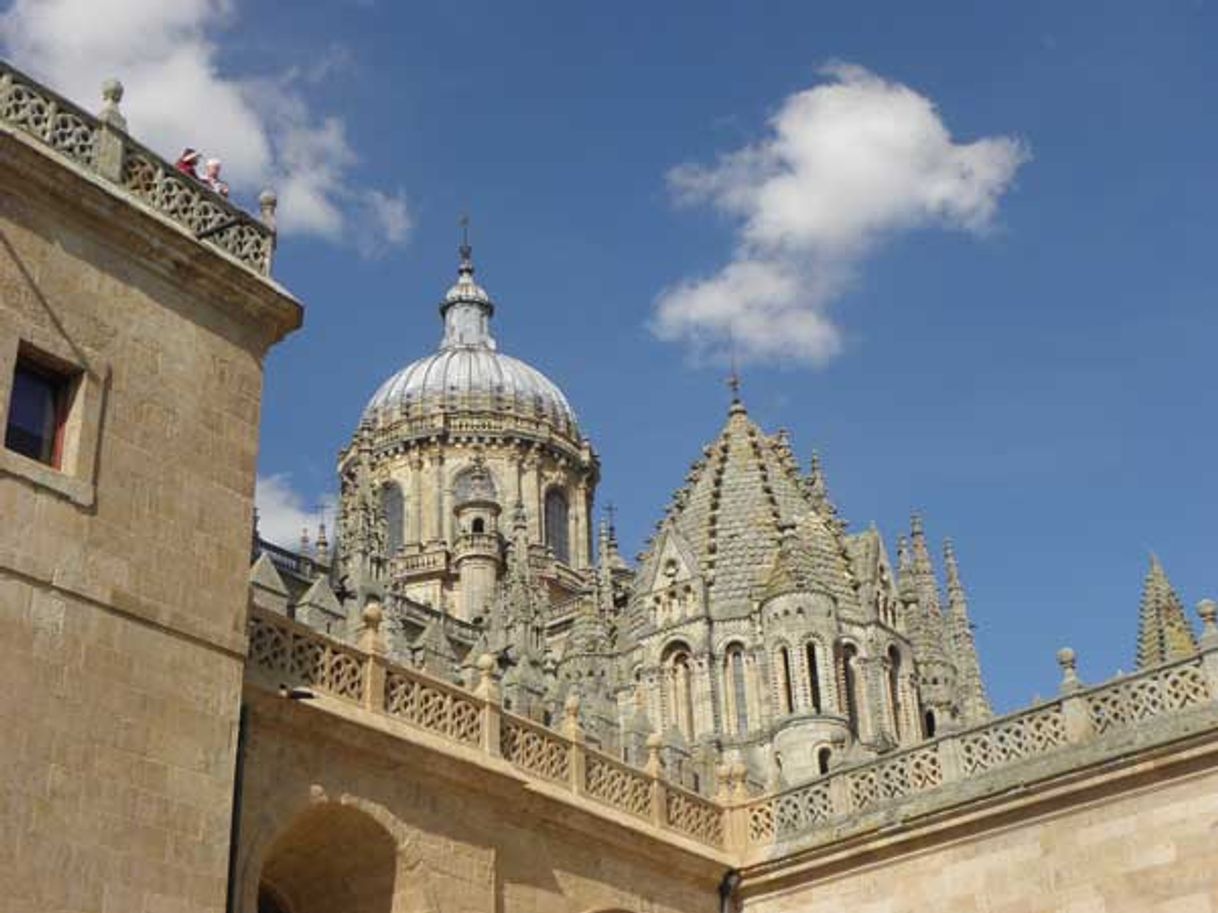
(468, 372)
(450, 375)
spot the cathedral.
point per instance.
(462, 698)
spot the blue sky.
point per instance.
(1039, 381)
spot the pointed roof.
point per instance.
(731, 513)
(265, 575)
(321, 596)
(975, 703)
(1164, 633)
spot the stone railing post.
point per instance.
(1075, 715)
(654, 769)
(373, 644)
(111, 125)
(839, 795)
(951, 763)
(734, 796)
(574, 731)
(1208, 610)
(492, 710)
(268, 202)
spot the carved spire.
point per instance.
(1164, 633)
(974, 703)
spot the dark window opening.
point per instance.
(38, 411)
(788, 694)
(822, 760)
(849, 678)
(557, 532)
(930, 724)
(393, 506)
(813, 677)
(479, 525)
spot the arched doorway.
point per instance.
(333, 857)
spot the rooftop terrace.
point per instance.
(99, 144)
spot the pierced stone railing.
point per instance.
(283, 652)
(1081, 716)
(536, 749)
(1101, 722)
(101, 145)
(1129, 701)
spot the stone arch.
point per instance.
(850, 687)
(737, 687)
(814, 665)
(374, 883)
(677, 662)
(784, 673)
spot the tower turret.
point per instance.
(1164, 633)
(974, 704)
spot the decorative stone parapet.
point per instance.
(1106, 719)
(283, 653)
(1084, 726)
(101, 145)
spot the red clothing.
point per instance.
(187, 166)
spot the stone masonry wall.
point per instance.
(462, 838)
(123, 582)
(1147, 851)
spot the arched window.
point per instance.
(849, 685)
(929, 720)
(823, 757)
(736, 690)
(557, 532)
(680, 687)
(786, 694)
(810, 655)
(894, 688)
(393, 506)
(478, 526)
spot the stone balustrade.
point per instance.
(283, 652)
(998, 749)
(1106, 721)
(101, 145)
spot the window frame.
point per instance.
(65, 381)
(73, 476)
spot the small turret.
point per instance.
(1164, 633)
(937, 684)
(974, 704)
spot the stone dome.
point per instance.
(468, 373)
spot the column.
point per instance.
(414, 535)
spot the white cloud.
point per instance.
(283, 512)
(842, 165)
(167, 54)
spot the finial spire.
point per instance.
(466, 251)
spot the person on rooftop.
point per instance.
(211, 177)
(188, 162)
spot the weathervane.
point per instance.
(466, 250)
(733, 378)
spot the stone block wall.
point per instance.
(340, 814)
(1149, 849)
(123, 578)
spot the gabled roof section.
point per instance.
(732, 511)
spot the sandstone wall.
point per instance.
(459, 838)
(1149, 850)
(123, 579)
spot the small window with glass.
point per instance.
(38, 408)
